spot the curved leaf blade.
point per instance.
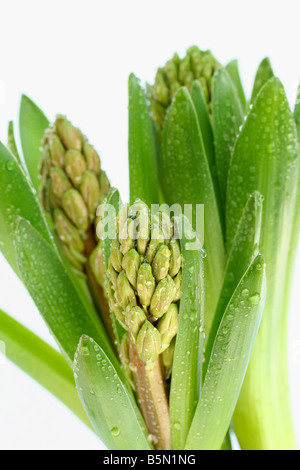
(187, 179)
(233, 69)
(228, 361)
(11, 141)
(111, 409)
(227, 116)
(188, 355)
(112, 207)
(266, 159)
(244, 248)
(263, 74)
(142, 147)
(32, 125)
(17, 200)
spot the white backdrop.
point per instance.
(74, 57)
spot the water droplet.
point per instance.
(245, 293)
(254, 299)
(115, 431)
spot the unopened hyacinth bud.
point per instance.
(73, 186)
(144, 279)
(196, 65)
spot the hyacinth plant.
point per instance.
(171, 331)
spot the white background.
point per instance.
(74, 57)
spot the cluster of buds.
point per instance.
(196, 65)
(144, 280)
(73, 185)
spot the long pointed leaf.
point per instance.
(187, 179)
(113, 200)
(207, 135)
(111, 409)
(188, 355)
(263, 74)
(244, 248)
(17, 200)
(228, 116)
(228, 362)
(233, 69)
(11, 141)
(266, 159)
(32, 125)
(142, 147)
(41, 362)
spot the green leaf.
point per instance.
(265, 159)
(41, 362)
(11, 141)
(228, 116)
(228, 361)
(142, 147)
(187, 179)
(32, 125)
(204, 124)
(54, 293)
(17, 200)
(110, 407)
(188, 355)
(206, 131)
(244, 248)
(113, 200)
(263, 74)
(233, 69)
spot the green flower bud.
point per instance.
(114, 305)
(145, 284)
(103, 184)
(163, 296)
(196, 65)
(161, 263)
(124, 292)
(75, 208)
(134, 319)
(131, 263)
(168, 326)
(68, 134)
(160, 88)
(112, 275)
(92, 158)
(177, 282)
(168, 356)
(97, 264)
(116, 256)
(175, 261)
(57, 150)
(144, 289)
(127, 236)
(66, 231)
(90, 192)
(142, 225)
(75, 166)
(60, 182)
(153, 246)
(76, 262)
(148, 343)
